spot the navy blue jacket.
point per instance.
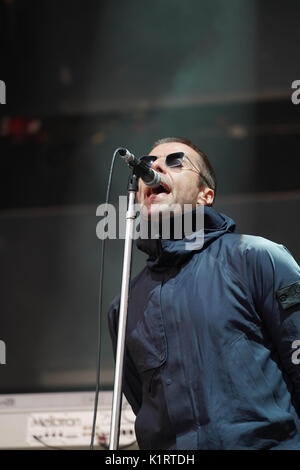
(209, 347)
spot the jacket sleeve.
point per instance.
(274, 279)
(132, 386)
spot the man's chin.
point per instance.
(160, 211)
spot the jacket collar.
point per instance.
(164, 253)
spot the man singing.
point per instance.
(210, 347)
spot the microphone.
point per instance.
(150, 177)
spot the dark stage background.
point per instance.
(86, 76)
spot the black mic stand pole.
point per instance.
(117, 394)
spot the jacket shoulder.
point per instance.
(253, 246)
(260, 248)
(251, 256)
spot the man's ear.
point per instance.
(205, 197)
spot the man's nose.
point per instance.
(159, 165)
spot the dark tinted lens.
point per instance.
(148, 159)
(174, 159)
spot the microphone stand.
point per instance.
(132, 189)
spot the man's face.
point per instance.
(181, 184)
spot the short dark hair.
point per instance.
(208, 176)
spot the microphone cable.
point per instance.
(100, 307)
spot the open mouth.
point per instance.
(163, 188)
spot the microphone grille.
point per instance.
(123, 152)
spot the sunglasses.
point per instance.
(173, 160)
